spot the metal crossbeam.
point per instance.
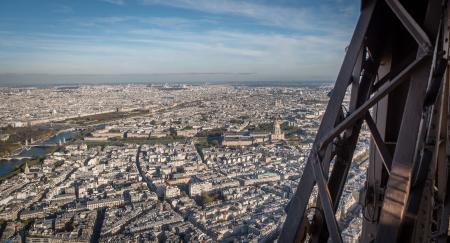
(442, 166)
(382, 92)
(325, 199)
(360, 91)
(295, 219)
(393, 39)
(410, 24)
(381, 146)
(398, 186)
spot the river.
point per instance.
(6, 166)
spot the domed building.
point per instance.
(277, 132)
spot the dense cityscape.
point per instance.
(160, 163)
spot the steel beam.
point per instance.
(443, 165)
(326, 202)
(378, 140)
(410, 24)
(346, 145)
(397, 191)
(383, 91)
(398, 187)
(394, 144)
(371, 196)
(295, 217)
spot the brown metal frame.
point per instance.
(402, 177)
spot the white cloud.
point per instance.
(268, 56)
(167, 22)
(306, 18)
(116, 2)
(310, 47)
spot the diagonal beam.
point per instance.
(297, 206)
(410, 24)
(325, 200)
(346, 148)
(406, 60)
(381, 146)
(383, 91)
(392, 224)
(399, 182)
(443, 170)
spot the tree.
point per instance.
(206, 198)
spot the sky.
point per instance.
(173, 40)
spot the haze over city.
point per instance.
(164, 41)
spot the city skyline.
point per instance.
(160, 41)
(141, 163)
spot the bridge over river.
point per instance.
(31, 151)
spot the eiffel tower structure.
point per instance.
(396, 71)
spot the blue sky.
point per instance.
(174, 40)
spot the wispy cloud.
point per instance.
(166, 22)
(116, 2)
(158, 51)
(299, 18)
(229, 38)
